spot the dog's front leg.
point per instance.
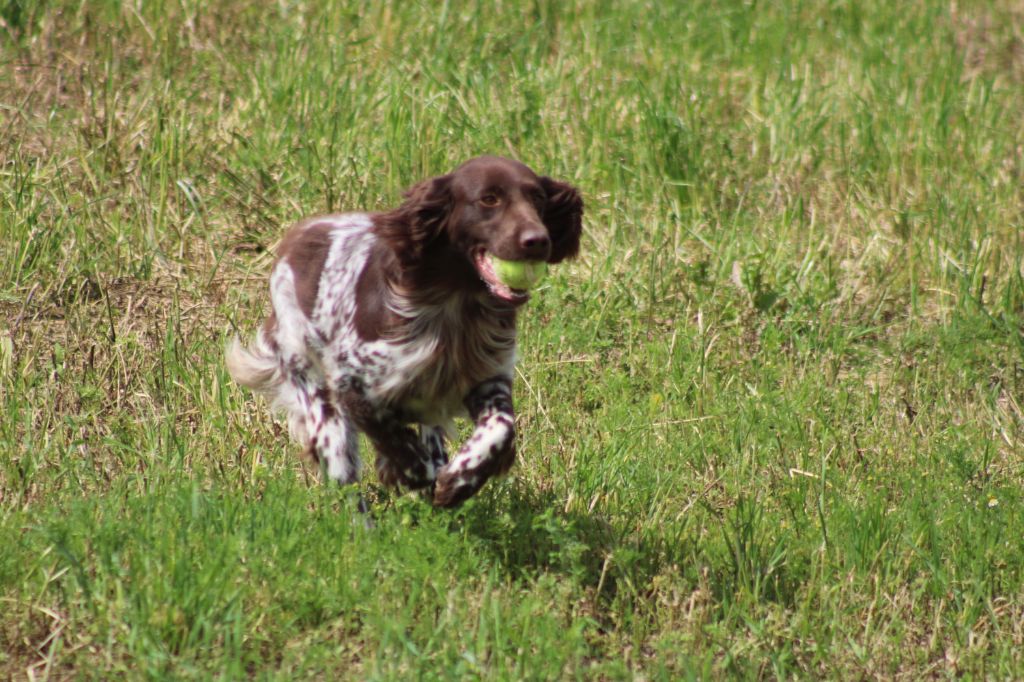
(491, 448)
(402, 457)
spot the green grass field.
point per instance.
(770, 421)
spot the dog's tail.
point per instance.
(255, 368)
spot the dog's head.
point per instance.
(487, 206)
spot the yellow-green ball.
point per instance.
(520, 274)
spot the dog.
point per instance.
(395, 323)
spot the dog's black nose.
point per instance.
(535, 244)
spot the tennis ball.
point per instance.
(519, 274)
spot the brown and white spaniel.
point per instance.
(389, 321)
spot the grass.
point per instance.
(770, 421)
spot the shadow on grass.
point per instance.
(529, 533)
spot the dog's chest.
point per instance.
(446, 351)
(426, 368)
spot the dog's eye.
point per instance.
(490, 200)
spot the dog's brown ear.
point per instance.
(563, 216)
(421, 219)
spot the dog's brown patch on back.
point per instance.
(373, 319)
(305, 249)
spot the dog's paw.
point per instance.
(455, 487)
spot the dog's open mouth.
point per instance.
(484, 266)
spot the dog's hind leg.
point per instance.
(333, 439)
(315, 418)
